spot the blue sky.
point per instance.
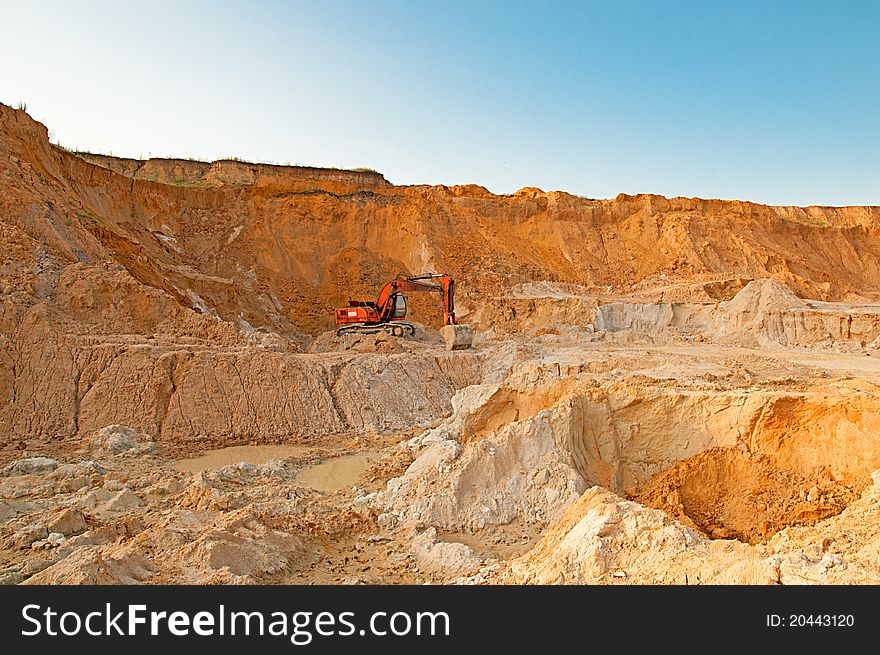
(775, 102)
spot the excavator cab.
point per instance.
(399, 311)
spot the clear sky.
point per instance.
(775, 102)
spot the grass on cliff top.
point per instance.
(87, 153)
(359, 169)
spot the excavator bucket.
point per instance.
(457, 337)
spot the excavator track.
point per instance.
(397, 329)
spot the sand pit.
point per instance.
(656, 390)
(725, 494)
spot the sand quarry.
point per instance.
(660, 391)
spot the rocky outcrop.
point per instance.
(195, 390)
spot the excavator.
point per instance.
(387, 312)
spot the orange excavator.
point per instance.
(389, 309)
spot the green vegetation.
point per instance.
(93, 217)
(813, 220)
(176, 181)
(21, 106)
(360, 169)
(285, 164)
(80, 153)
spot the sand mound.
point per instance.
(605, 539)
(761, 297)
(119, 440)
